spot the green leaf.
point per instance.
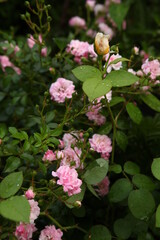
(91, 189)
(120, 190)
(16, 208)
(119, 60)
(27, 157)
(86, 72)
(118, 12)
(121, 78)
(116, 168)
(61, 42)
(56, 132)
(155, 167)
(95, 88)
(123, 228)
(11, 184)
(105, 129)
(131, 168)
(122, 140)
(158, 216)
(151, 101)
(116, 100)
(96, 173)
(12, 164)
(141, 204)
(50, 116)
(99, 232)
(77, 197)
(143, 181)
(3, 130)
(134, 112)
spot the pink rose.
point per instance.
(25, 231)
(77, 22)
(50, 232)
(49, 156)
(100, 143)
(68, 178)
(35, 210)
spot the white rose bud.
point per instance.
(101, 44)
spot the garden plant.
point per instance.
(80, 121)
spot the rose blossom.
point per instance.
(111, 66)
(152, 68)
(100, 143)
(136, 50)
(99, 8)
(103, 27)
(71, 157)
(49, 155)
(25, 231)
(132, 71)
(78, 49)
(70, 139)
(29, 194)
(90, 4)
(5, 62)
(77, 22)
(94, 115)
(35, 210)
(51, 233)
(31, 42)
(68, 178)
(103, 187)
(61, 89)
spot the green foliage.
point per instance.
(99, 232)
(16, 208)
(151, 101)
(131, 168)
(155, 168)
(11, 184)
(134, 113)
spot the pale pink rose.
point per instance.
(77, 22)
(35, 210)
(31, 41)
(61, 144)
(61, 89)
(157, 82)
(91, 52)
(100, 143)
(71, 157)
(44, 52)
(94, 115)
(70, 139)
(49, 156)
(78, 49)
(146, 88)
(103, 187)
(16, 49)
(91, 33)
(111, 66)
(51, 233)
(25, 231)
(152, 68)
(99, 8)
(108, 96)
(29, 194)
(59, 154)
(139, 73)
(136, 50)
(103, 27)
(90, 4)
(132, 71)
(68, 178)
(144, 55)
(5, 62)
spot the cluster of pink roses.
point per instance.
(5, 62)
(24, 231)
(31, 42)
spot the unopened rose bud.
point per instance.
(78, 204)
(101, 44)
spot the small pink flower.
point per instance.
(61, 144)
(132, 71)
(51, 233)
(70, 139)
(103, 27)
(91, 33)
(5, 62)
(103, 187)
(152, 68)
(105, 155)
(99, 8)
(31, 41)
(77, 22)
(29, 194)
(25, 231)
(136, 50)
(59, 155)
(111, 66)
(68, 178)
(100, 143)
(35, 210)
(71, 157)
(90, 4)
(94, 115)
(44, 52)
(49, 156)
(139, 73)
(61, 89)
(78, 49)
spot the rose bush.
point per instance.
(79, 130)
